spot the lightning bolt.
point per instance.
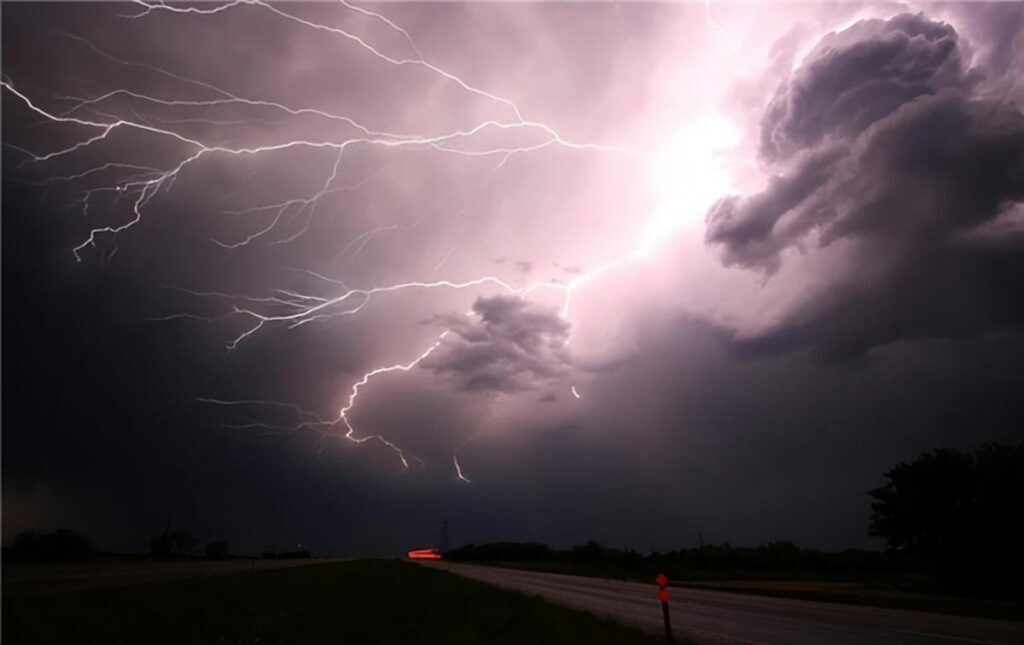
(458, 470)
(139, 185)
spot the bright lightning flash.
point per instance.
(689, 176)
(139, 185)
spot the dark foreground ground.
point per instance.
(722, 617)
(360, 602)
(32, 579)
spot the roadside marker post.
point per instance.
(662, 581)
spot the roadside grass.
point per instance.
(893, 592)
(361, 602)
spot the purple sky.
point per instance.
(329, 273)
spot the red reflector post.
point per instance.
(662, 581)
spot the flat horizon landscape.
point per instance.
(128, 603)
(592, 322)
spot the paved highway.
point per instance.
(721, 617)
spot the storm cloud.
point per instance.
(509, 344)
(871, 201)
(880, 143)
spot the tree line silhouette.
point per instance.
(952, 515)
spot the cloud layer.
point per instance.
(882, 144)
(890, 213)
(508, 345)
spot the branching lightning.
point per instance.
(141, 184)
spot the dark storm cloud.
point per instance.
(748, 225)
(510, 345)
(879, 141)
(670, 435)
(94, 397)
(855, 77)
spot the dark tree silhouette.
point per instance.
(959, 511)
(926, 506)
(173, 543)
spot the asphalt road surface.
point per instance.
(32, 579)
(720, 617)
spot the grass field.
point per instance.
(362, 602)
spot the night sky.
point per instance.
(625, 272)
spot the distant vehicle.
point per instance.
(425, 554)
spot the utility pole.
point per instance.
(444, 536)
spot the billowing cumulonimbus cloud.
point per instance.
(508, 344)
(882, 140)
(858, 76)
